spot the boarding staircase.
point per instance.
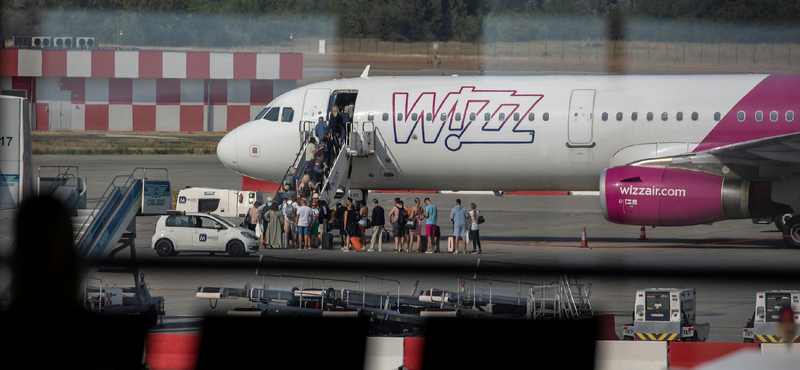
(359, 142)
(109, 226)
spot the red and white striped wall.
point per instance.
(150, 64)
(146, 90)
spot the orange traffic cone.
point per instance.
(584, 243)
(642, 235)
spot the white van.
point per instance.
(223, 202)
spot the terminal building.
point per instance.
(137, 90)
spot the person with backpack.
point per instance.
(304, 191)
(416, 231)
(289, 214)
(378, 221)
(474, 234)
(398, 217)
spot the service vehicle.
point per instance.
(201, 232)
(665, 314)
(223, 202)
(762, 327)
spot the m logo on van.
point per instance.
(203, 237)
(181, 199)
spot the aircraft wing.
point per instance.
(783, 148)
(766, 159)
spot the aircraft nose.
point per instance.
(226, 151)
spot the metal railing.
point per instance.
(388, 296)
(302, 288)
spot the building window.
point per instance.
(531, 116)
(546, 116)
(740, 116)
(759, 116)
(634, 116)
(487, 116)
(773, 116)
(649, 116)
(619, 116)
(385, 116)
(717, 116)
(695, 116)
(429, 117)
(789, 116)
(604, 116)
(516, 117)
(370, 116)
(502, 117)
(679, 116)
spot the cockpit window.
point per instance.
(288, 114)
(272, 115)
(262, 113)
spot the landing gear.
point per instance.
(791, 232)
(780, 220)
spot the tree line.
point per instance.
(267, 22)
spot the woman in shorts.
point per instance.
(415, 214)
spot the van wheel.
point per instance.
(791, 232)
(236, 249)
(164, 248)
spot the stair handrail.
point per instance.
(297, 160)
(101, 203)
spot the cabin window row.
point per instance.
(472, 117)
(664, 116)
(759, 116)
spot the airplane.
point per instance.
(668, 150)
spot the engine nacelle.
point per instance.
(652, 196)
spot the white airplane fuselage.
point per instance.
(589, 127)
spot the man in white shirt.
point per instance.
(290, 216)
(304, 220)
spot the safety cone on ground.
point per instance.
(584, 243)
(642, 235)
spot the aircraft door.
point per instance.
(581, 116)
(314, 106)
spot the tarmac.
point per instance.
(542, 231)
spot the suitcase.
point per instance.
(356, 242)
(327, 241)
(385, 236)
(434, 244)
(451, 244)
(423, 244)
(284, 240)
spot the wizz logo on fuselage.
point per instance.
(465, 116)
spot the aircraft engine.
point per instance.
(654, 196)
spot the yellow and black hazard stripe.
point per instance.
(657, 336)
(774, 338)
